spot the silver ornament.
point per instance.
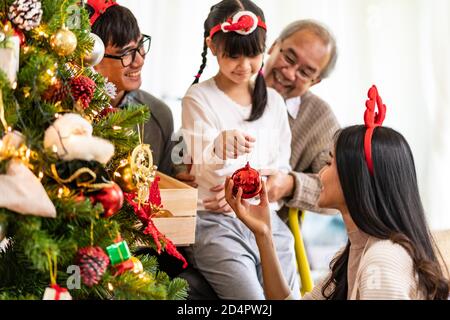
(111, 89)
(3, 227)
(98, 51)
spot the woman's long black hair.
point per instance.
(233, 44)
(386, 205)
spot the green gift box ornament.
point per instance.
(118, 252)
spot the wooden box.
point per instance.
(181, 200)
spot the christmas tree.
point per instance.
(65, 154)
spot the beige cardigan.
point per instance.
(385, 272)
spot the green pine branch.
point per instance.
(24, 265)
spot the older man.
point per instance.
(303, 55)
(126, 49)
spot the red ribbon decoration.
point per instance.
(58, 290)
(124, 266)
(372, 120)
(145, 213)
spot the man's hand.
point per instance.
(279, 185)
(218, 203)
(187, 178)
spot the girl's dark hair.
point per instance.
(233, 44)
(386, 205)
(117, 26)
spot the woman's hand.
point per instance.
(255, 217)
(231, 144)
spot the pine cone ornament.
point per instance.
(93, 262)
(26, 14)
(82, 89)
(56, 92)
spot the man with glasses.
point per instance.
(303, 55)
(125, 51)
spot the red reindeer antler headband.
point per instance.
(243, 22)
(99, 7)
(372, 120)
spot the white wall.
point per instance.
(402, 46)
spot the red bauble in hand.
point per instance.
(111, 199)
(248, 180)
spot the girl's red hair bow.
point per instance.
(243, 22)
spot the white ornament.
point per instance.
(111, 89)
(9, 57)
(52, 294)
(22, 192)
(70, 136)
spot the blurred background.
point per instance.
(402, 46)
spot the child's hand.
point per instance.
(255, 217)
(231, 144)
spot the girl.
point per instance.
(371, 180)
(227, 121)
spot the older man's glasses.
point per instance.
(306, 73)
(129, 56)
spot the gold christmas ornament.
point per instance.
(144, 171)
(63, 42)
(123, 176)
(96, 55)
(137, 265)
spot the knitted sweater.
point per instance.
(385, 272)
(312, 139)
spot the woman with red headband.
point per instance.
(371, 180)
(229, 120)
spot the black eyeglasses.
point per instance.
(303, 72)
(128, 57)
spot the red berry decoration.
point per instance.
(93, 262)
(111, 199)
(248, 180)
(106, 111)
(82, 89)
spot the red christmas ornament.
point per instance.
(248, 180)
(111, 199)
(18, 33)
(82, 89)
(93, 262)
